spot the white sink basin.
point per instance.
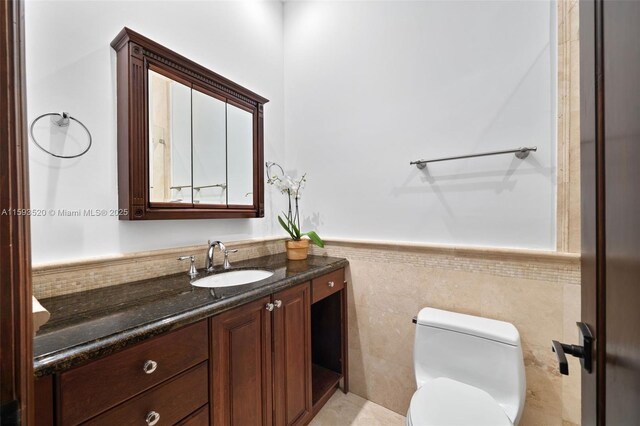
(229, 279)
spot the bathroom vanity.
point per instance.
(163, 352)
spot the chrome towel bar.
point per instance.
(520, 153)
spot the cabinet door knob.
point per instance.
(153, 418)
(331, 284)
(269, 307)
(150, 366)
(277, 303)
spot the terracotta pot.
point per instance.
(297, 250)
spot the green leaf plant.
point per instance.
(290, 221)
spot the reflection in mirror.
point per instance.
(209, 150)
(169, 140)
(239, 156)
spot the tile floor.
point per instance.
(352, 410)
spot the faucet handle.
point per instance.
(193, 272)
(226, 264)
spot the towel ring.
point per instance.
(270, 164)
(62, 120)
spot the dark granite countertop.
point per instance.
(90, 324)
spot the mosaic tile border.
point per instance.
(561, 268)
(69, 277)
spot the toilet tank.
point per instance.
(480, 352)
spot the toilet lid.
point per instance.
(446, 402)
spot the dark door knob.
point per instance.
(583, 351)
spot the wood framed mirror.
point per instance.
(190, 142)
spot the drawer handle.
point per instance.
(269, 307)
(277, 303)
(331, 284)
(153, 418)
(149, 367)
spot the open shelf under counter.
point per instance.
(328, 341)
(324, 383)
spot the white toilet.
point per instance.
(469, 371)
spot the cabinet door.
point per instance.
(292, 355)
(241, 366)
(43, 401)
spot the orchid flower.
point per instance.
(292, 188)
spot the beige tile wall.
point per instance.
(390, 283)
(568, 181)
(568, 173)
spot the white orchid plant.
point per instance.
(292, 188)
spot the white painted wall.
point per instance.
(370, 86)
(71, 67)
(359, 89)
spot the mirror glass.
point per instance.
(239, 156)
(209, 149)
(169, 140)
(200, 146)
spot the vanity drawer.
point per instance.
(326, 285)
(99, 385)
(199, 418)
(168, 403)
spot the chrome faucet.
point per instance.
(209, 261)
(226, 264)
(193, 272)
(223, 249)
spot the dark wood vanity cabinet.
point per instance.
(170, 402)
(165, 377)
(261, 361)
(329, 323)
(130, 372)
(241, 365)
(292, 355)
(271, 362)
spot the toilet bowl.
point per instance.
(469, 371)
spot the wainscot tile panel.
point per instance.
(539, 292)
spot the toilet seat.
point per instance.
(446, 402)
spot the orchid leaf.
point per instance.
(315, 239)
(295, 229)
(286, 228)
